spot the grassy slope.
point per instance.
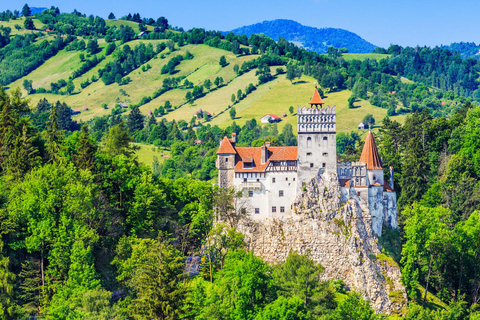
(132, 24)
(20, 21)
(274, 97)
(146, 153)
(277, 96)
(363, 56)
(203, 65)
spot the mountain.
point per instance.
(465, 49)
(310, 38)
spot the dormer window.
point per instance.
(247, 165)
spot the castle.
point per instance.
(271, 177)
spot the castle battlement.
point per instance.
(310, 110)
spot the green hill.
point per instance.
(273, 97)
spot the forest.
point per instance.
(88, 232)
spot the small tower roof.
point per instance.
(226, 147)
(316, 99)
(370, 153)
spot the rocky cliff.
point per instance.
(337, 233)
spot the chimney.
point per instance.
(267, 143)
(264, 153)
(391, 178)
(234, 138)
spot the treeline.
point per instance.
(437, 171)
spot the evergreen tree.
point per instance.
(54, 137)
(111, 16)
(135, 120)
(26, 12)
(64, 117)
(153, 271)
(85, 158)
(28, 24)
(117, 141)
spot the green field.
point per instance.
(146, 153)
(20, 21)
(277, 96)
(363, 56)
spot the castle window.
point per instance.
(258, 180)
(244, 179)
(325, 138)
(311, 165)
(250, 194)
(257, 210)
(274, 209)
(273, 180)
(324, 165)
(282, 209)
(293, 179)
(309, 153)
(325, 154)
(309, 138)
(309, 142)
(280, 193)
(226, 159)
(374, 177)
(286, 179)
(358, 193)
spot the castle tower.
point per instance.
(226, 162)
(372, 159)
(317, 150)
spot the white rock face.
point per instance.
(337, 234)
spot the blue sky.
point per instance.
(382, 22)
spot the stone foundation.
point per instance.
(336, 233)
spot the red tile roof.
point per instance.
(283, 153)
(226, 147)
(246, 154)
(370, 154)
(316, 99)
(274, 116)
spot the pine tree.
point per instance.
(117, 141)
(54, 138)
(85, 158)
(24, 156)
(135, 120)
(26, 12)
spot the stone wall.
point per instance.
(336, 233)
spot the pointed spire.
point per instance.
(226, 147)
(316, 99)
(370, 153)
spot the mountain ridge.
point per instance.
(310, 38)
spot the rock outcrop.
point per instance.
(337, 233)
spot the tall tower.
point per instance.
(226, 162)
(317, 148)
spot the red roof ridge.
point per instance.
(316, 99)
(370, 153)
(226, 147)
